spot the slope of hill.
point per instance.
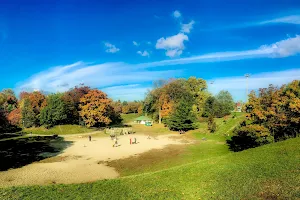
(268, 172)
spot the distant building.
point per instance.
(143, 120)
(238, 107)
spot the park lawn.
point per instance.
(268, 172)
(208, 145)
(170, 156)
(226, 128)
(59, 130)
(154, 130)
(128, 118)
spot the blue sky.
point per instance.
(123, 46)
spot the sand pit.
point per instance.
(83, 161)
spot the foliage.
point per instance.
(277, 109)
(161, 101)
(211, 124)
(226, 103)
(249, 136)
(14, 117)
(182, 118)
(8, 100)
(3, 121)
(55, 112)
(27, 114)
(72, 101)
(37, 101)
(219, 106)
(96, 109)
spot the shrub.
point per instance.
(249, 136)
(211, 124)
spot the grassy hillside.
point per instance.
(268, 172)
(127, 118)
(60, 130)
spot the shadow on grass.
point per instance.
(19, 152)
(10, 135)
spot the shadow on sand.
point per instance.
(15, 153)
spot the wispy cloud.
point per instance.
(144, 53)
(127, 92)
(288, 19)
(292, 19)
(62, 78)
(283, 48)
(237, 85)
(110, 48)
(135, 43)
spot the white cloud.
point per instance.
(292, 19)
(126, 92)
(110, 48)
(186, 28)
(62, 78)
(173, 44)
(237, 85)
(176, 14)
(149, 43)
(135, 43)
(283, 48)
(144, 53)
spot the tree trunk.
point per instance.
(159, 115)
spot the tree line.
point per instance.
(273, 114)
(178, 103)
(80, 105)
(181, 103)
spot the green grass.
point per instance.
(226, 128)
(267, 172)
(127, 118)
(174, 155)
(60, 130)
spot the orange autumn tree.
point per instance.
(96, 109)
(14, 117)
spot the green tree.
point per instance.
(211, 124)
(27, 113)
(8, 100)
(182, 118)
(55, 112)
(226, 103)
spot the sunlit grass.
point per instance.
(59, 130)
(267, 172)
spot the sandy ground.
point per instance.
(82, 162)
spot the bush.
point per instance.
(249, 136)
(211, 124)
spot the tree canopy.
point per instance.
(96, 109)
